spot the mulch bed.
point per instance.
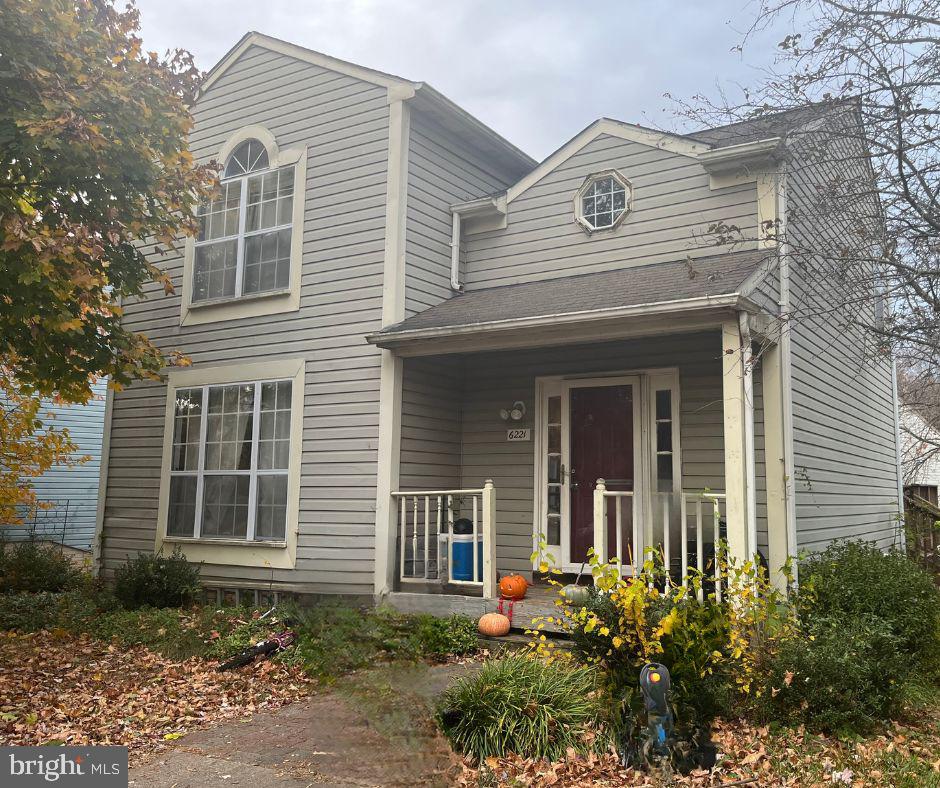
(58, 688)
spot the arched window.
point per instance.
(250, 156)
(244, 241)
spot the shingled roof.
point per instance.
(660, 283)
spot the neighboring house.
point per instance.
(920, 456)
(405, 331)
(71, 491)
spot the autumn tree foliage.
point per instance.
(28, 448)
(95, 170)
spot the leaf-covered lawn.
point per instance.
(901, 756)
(57, 687)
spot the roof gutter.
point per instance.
(491, 205)
(746, 155)
(728, 301)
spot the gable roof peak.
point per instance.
(514, 160)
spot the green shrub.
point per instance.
(438, 638)
(156, 581)
(858, 579)
(168, 631)
(844, 675)
(27, 612)
(523, 705)
(697, 632)
(701, 686)
(36, 567)
(72, 610)
(335, 638)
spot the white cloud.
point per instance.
(537, 72)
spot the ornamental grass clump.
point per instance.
(523, 705)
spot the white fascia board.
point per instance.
(613, 128)
(729, 300)
(300, 53)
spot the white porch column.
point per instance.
(734, 423)
(490, 587)
(393, 311)
(775, 464)
(387, 480)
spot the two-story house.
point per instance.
(419, 355)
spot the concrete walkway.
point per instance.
(371, 729)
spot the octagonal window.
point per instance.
(603, 201)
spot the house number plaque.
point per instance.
(519, 434)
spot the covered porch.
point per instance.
(639, 433)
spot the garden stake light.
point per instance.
(655, 685)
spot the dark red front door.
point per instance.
(601, 448)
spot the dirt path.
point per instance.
(372, 729)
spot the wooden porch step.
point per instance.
(517, 640)
(535, 605)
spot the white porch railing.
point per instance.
(426, 535)
(602, 497)
(704, 510)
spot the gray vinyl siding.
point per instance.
(344, 123)
(442, 170)
(72, 489)
(492, 380)
(846, 482)
(431, 418)
(672, 210)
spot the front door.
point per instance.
(601, 447)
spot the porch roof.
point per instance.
(704, 283)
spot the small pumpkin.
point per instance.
(575, 594)
(493, 625)
(513, 586)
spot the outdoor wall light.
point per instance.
(515, 413)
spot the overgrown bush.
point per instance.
(335, 638)
(844, 675)
(156, 581)
(687, 636)
(36, 567)
(695, 643)
(524, 705)
(858, 579)
(443, 637)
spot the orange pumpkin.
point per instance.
(513, 586)
(493, 625)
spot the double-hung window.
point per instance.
(243, 246)
(229, 461)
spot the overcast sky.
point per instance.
(536, 71)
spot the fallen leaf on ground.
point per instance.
(76, 690)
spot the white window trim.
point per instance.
(587, 184)
(237, 552)
(253, 304)
(253, 473)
